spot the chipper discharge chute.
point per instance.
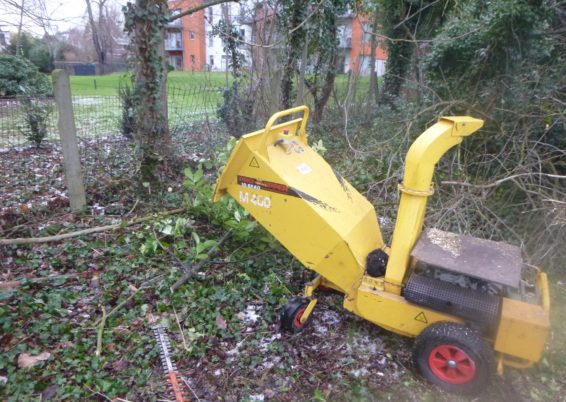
(469, 302)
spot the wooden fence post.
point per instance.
(68, 135)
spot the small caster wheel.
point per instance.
(292, 313)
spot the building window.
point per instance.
(173, 40)
(192, 59)
(210, 16)
(211, 60)
(192, 35)
(367, 32)
(210, 40)
(242, 33)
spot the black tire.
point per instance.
(454, 357)
(291, 314)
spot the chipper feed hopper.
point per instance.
(472, 305)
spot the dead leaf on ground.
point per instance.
(26, 360)
(151, 318)
(120, 365)
(49, 392)
(221, 322)
(66, 344)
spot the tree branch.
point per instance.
(190, 271)
(200, 7)
(498, 182)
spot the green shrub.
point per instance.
(36, 116)
(127, 122)
(33, 49)
(19, 76)
(236, 111)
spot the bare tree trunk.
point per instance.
(227, 29)
(19, 49)
(102, 33)
(95, 38)
(301, 85)
(372, 94)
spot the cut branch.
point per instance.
(498, 182)
(193, 10)
(100, 332)
(15, 284)
(193, 269)
(47, 239)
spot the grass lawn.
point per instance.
(107, 85)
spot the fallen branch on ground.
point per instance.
(16, 284)
(100, 332)
(102, 321)
(193, 269)
(47, 239)
(119, 306)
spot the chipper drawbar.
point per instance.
(472, 304)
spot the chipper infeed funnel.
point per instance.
(309, 208)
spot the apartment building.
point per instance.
(185, 38)
(236, 14)
(190, 44)
(189, 41)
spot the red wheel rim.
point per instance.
(297, 320)
(451, 364)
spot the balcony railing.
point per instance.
(175, 23)
(173, 45)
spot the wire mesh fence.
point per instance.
(14, 129)
(99, 116)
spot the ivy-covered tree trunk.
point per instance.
(326, 90)
(398, 60)
(399, 48)
(145, 23)
(404, 24)
(293, 14)
(324, 31)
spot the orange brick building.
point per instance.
(354, 34)
(185, 38)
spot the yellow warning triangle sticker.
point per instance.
(421, 317)
(254, 163)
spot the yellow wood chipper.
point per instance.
(473, 306)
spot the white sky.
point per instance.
(62, 14)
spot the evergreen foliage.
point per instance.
(19, 76)
(32, 49)
(36, 115)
